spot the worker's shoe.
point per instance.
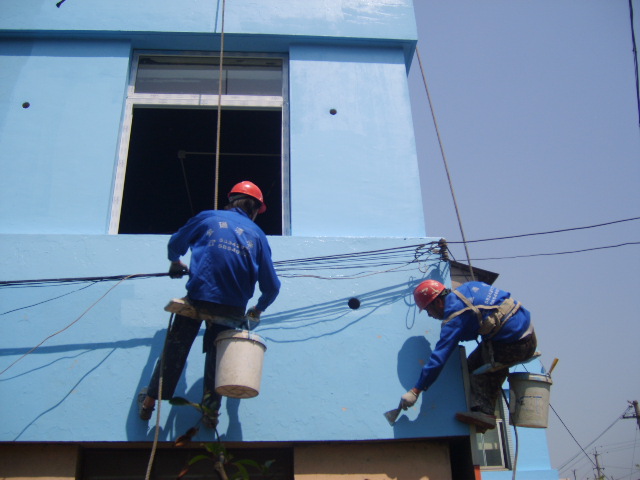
(144, 412)
(481, 420)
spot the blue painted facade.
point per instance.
(329, 371)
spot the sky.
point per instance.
(535, 102)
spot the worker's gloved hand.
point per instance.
(178, 270)
(409, 399)
(253, 314)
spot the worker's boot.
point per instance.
(481, 420)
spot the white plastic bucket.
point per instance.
(239, 357)
(529, 399)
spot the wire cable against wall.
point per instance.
(218, 126)
(446, 165)
(68, 326)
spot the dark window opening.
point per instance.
(127, 463)
(171, 166)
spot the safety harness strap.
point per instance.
(490, 326)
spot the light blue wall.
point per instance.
(58, 156)
(353, 174)
(329, 371)
(311, 18)
(365, 152)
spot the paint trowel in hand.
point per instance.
(392, 415)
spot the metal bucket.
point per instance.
(239, 358)
(529, 399)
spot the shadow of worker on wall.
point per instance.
(434, 413)
(138, 429)
(413, 355)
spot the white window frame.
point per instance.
(238, 101)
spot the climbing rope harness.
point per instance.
(446, 165)
(218, 126)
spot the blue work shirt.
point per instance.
(464, 327)
(229, 254)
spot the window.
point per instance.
(101, 464)
(167, 170)
(200, 75)
(494, 445)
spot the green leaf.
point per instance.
(242, 472)
(248, 463)
(197, 458)
(179, 401)
(215, 448)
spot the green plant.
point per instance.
(217, 452)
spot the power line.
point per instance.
(549, 232)
(557, 253)
(635, 58)
(565, 464)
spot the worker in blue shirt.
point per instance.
(229, 255)
(475, 309)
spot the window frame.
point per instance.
(150, 100)
(504, 439)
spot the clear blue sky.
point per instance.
(536, 105)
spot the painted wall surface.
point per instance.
(365, 152)
(329, 371)
(58, 155)
(52, 461)
(373, 19)
(422, 461)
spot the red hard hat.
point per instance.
(251, 189)
(426, 292)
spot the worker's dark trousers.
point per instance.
(180, 337)
(486, 387)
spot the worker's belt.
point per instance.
(489, 326)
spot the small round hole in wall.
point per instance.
(353, 303)
(26, 105)
(333, 111)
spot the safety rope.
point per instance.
(446, 166)
(156, 435)
(218, 126)
(514, 467)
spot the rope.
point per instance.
(635, 58)
(218, 126)
(515, 433)
(446, 166)
(156, 435)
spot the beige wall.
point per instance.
(53, 462)
(373, 461)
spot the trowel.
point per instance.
(392, 415)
